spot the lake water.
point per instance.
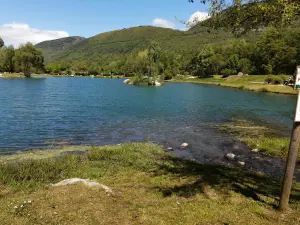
(46, 112)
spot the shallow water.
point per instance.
(45, 112)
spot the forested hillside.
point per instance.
(53, 47)
(199, 51)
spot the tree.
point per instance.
(1, 43)
(29, 57)
(8, 58)
(244, 15)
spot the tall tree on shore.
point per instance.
(29, 57)
(8, 58)
(1, 43)
(244, 15)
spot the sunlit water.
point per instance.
(46, 112)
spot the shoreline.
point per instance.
(240, 85)
(148, 185)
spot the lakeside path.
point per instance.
(249, 82)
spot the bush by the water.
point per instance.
(272, 79)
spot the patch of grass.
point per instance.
(266, 140)
(150, 186)
(270, 146)
(250, 82)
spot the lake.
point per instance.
(46, 112)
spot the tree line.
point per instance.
(275, 51)
(26, 59)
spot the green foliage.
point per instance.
(274, 79)
(1, 43)
(227, 72)
(28, 57)
(242, 16)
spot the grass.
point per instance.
(266, 140)
(150, 186)
(250, 82)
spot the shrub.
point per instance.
(228, 72)
(168, 75)
(272, 79)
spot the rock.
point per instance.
(126, 81)
(86, 182)
(241, 163)
(191, 77)
(240, 74)
(184, 145)
(170, 149)
(255, 150)
(157, 84)
(230, 156)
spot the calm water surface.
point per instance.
(43, 112)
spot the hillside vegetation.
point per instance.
(53, 47)
(117, 43)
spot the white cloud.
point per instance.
(197, 17)
(158, 22)
(17, 33)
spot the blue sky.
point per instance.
(90, 17)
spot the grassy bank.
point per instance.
(250, 82)
(258, 137)
(150, 187)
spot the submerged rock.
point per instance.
(241, 163)
(230, 156)
(184, 145)
(170, 149)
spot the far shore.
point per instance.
(249, 82)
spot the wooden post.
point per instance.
(292, 155)
(290, 167)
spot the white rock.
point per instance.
(157, 84)
(86, 182)
(126, 81)
(230, 156)
(241, 163)
(170, 149)
(255, 150)
(192, 77)
(184, 145)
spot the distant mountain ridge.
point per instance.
(114, 45)
(52, 47)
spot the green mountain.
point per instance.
(53, 47)
(116, 44)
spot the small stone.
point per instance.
(230, 156)
(255, 150)
(184, 145)
(241, 163)
(170, 149)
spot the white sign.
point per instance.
(297, 113)
(297, 78)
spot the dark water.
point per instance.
(43, 112)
